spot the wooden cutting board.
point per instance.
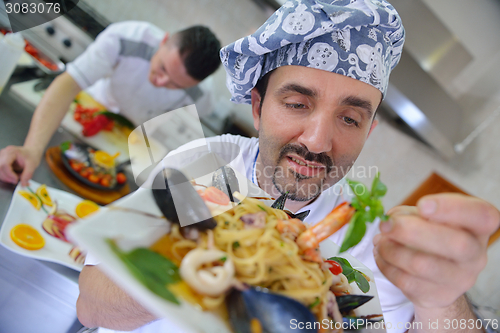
(53, 158)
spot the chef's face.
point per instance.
(167, 67)
(312, 127)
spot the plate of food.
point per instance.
(244, 265)
(95, 168)
(36, 224)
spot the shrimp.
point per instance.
(308, 241)
(291, 228)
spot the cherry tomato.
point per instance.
(85, 172)
(93, 178)
(121, 178)
(104, 182)
(213, 194)
(75, 165)
(335, 267)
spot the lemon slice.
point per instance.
(27, 237)
(85, 208)
(105, 160)
(44, 195)
(32, 198)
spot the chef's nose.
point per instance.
(318, 133)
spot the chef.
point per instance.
(314, 75)
(133, 68)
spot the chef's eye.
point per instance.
(350, 121)
(295, 105)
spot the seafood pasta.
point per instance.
(255, 245)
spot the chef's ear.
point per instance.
(256, 107)
(165, 38)
(372, 127)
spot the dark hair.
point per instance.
(199, 49)
(261, 87)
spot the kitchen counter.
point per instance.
(35, 295)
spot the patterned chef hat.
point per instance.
(362, 39)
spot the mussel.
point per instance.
(179, 202)
(274, 312)
(347, 303)
(280, 204)
(225, 180)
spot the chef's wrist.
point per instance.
(35, 151)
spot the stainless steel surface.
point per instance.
(431, 43)
(424, 105)
(35, 296)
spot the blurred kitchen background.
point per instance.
(440, 114)
(448, 93)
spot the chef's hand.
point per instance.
(15, 160)
(434, 252)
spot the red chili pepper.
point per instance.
(96, 125)
(335, 267)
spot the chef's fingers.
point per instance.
(404, 210)
(437, 239)
(28, 170)
(7, 158)
(458, 210)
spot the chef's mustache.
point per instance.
(307, 155)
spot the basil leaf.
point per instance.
(347, 269)
(356, 204)
(65, 146)
(361, 281)
(355, 231)
(360, 191)
(147, 274)
(154, 265)
(376, 210)
(378, 188)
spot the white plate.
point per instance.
(22, 211)
(131, 230)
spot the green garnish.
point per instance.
(36, 195)
(152, 269)
(313, 304)
(65, 146)
(118, 118)
(223, 259)
(261, 207)
(368, 207)
(352, 274)
(236, 245)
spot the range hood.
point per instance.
(419, 90)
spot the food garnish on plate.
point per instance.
(27, 237)
(240, 255)
(97, 167)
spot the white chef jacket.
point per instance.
(114, 70)
(397, 309)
